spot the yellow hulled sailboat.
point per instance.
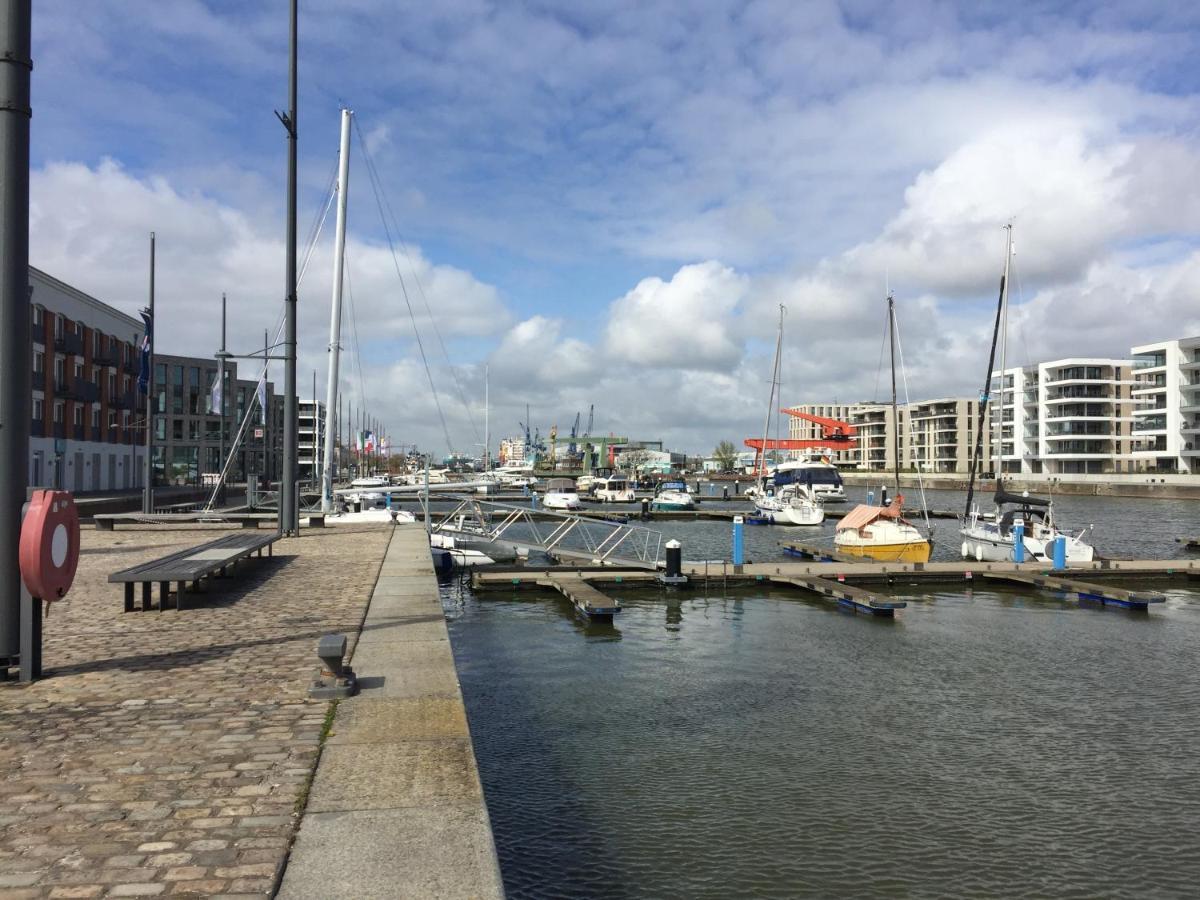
(881, 532)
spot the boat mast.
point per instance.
(1001, 305)
(487, 428)
(891, 300)
(771, 399)
(335, 315)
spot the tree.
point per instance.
(634, 459)
(726, 455)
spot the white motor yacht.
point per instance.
(614, 489)
(672, 495)
(561, 494)
(820, 476)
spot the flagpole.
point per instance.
(148, 484)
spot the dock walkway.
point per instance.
(396, 808)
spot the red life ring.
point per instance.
(49, 548)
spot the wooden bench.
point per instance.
(192, 564)
(108, 521)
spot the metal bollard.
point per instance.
(645, 508)
(1018, 533)
(725, 492)
(1060, 552)
(674, 559)
(739, 547)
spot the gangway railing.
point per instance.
(568, 536)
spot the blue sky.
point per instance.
(606, 201)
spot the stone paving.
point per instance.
(166, 753)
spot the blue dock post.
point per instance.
(870, 498)
(388, 497)
(739, 547)
(532, 500)
(1060, 552)
(1018, 541)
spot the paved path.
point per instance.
(396, 808)
(166, 753)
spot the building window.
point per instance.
(78, 329)
(58, 326)
(36, 315)
(95, 343)
(39, 362)
(78, 370)
(96, 418)
(112, 385)
(177, 429)
(38, 409)
(58, 412)
(112, 418)
(193, 429)
(160, 428)
(78, 415)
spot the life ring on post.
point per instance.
(49, 547)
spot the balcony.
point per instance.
(58, 430)
(106, 357)
(132, 366)
(35, 428)
(38, 379)
(89, 391)
(69, 342)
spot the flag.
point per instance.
(215, 396)
(369, 441)
(144, 372)
(262, 396)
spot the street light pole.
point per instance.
(151, 401)
(15, 388)
(289, 516)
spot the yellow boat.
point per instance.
(882, 533)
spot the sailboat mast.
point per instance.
(335, 315)
(771, 399)
(999, 455)
(1001, 303)
(891, 300)
(487, 427)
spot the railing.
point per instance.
(69, 342)
(584, 538)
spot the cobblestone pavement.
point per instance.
(166, 752)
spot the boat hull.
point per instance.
(984, 547)
(914, 551)
(791, 515)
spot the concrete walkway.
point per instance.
(396, 808)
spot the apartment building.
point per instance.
(187, 427)
(87, 424)
(1064, 417)
(1166, 407)
(310, 443)
(939, 435)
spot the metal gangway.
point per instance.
(563, 536)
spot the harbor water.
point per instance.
(758, 742)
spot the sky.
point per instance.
(604, 204)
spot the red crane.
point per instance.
(835, 434)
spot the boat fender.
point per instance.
(966, 550)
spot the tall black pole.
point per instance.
(221, 410)
(15, 66)
(151, 400)
(289, 516)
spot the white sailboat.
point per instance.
(992, 536)
(789, 503)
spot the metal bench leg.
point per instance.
(196, 585)
(164, 591)
(129, 596)
(146, 599)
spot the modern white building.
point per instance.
(1064, 417)
(311, 441)
(1166, 407)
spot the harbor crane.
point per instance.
(835, 435)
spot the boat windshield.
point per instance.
(671, 486)
(810, 476)
(562, 485)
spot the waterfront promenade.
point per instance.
(169, 753)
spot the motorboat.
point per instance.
(586, 484)
(881, 533)
(672, 495)
(371, 481)
(792, 504)
(820, 476)
(992, 537)
(376, 515)
(614, 489)
(561, 494)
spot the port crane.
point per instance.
(835, 435)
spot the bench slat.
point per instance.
(195, 562)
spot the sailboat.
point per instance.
(783, 504)
(992, 536)
(882, 532)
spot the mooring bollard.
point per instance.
(1018, 541)
(1060, 552)
(674, 559)
(725, 492)
(739, 549)
(645, 508)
